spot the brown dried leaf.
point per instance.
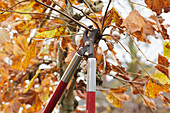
(157, 5)
(138, 26)
(165, 100)
(119, 69)
(139, 86)
(13, 107)
(81, 89)
(156, 23)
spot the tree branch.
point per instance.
(79, 23)
(105, 15)
(13, 6)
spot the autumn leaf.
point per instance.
(32, 81)
(120, 70)
(166, 47)
(153, 88)
(105, 68)
(110, 47)
(157, 24)
(5, 15)
(113, 16)
(51, 33)
(163, 61)
(139, 87)
(13, 107)
(64, 42)
(138, 26)
(165, 100)
(30, 53)
(157, 5)
(71, 52)
(163, 79)
(116, 96)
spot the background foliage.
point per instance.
(38, 41)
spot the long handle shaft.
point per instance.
(63, 83)
(91, 86)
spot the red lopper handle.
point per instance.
(91, 98)
(55, 97)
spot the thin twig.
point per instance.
(143, 98)
(85, 15)
(85, 1)
(136, 46)
(137, 4)
(61, 7)
(144, 54)
(129, 53)
(105, 15)
(26, 13)
(127, 81)
(13, 6)
(79, 23)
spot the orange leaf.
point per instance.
(4, 16)
(157, 5)
(166, 101)
(119, 69)
(113, 100)
(110, 47)
(71, 52)
(113, 16)
(64, 42)
(163, 61)
(138, 26)
(13, 107)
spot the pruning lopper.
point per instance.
(89, 41)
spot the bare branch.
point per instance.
(105, 15)
(13, 6)
(85, 15)
(60, 7)
(145, 55)
(79, 23)
(26, 13)
(85, 1)
(129, 53)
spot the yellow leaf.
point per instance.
(153, 88)
(51, 33)
(112, 99)
(163, 79)
(166, 48)
(30, 53)
(32, 81)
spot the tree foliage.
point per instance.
(45, 35)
